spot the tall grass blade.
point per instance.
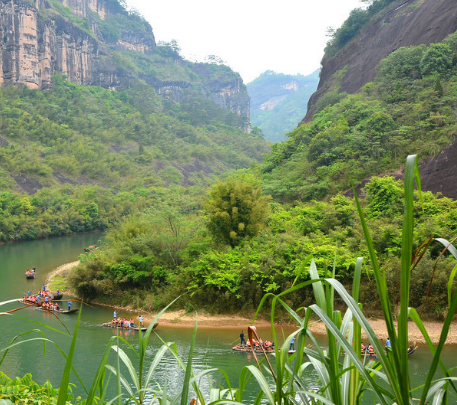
(448, 246)
(13, 342)
(318, 288)
(186, 384)
(122, 379)
(416, 319)
(155, 362)
(143, 340)
(356, 335)
(357, 278)
(450, 284)
(349, 351)
(63, 390)
(436, 358)
(98, 383)
(118, 376)
(378, 275)
(400, 341)
(401, 349)
(263, 384)
(379, 349)
(128, 363)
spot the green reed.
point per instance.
(344, 375)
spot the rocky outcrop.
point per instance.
(227, 91)
(36, 45)
(39, 40)
(437, 174)
(231, 95)
(404, 23)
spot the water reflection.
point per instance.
(213, 347)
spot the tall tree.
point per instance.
(236, 209)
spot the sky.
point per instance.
(250, 36)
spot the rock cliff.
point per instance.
(403, 23)
(77, 38)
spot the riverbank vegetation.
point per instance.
(345, 375)
(174, 249)
(25, 391)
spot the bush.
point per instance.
(437, 59)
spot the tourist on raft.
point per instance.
(242, 338)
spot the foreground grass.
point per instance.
(345, 378)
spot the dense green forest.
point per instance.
(242, 246)
(408, 109)
(95, 155)
(279, 102)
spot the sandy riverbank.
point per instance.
(56, 279)
(181, 319)
(187, 320)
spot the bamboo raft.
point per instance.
(411, 350)
(40, 308)
(240, 348)
(143, 329)
(59, 311)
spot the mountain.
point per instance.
(98, 122)
(98, 42)
(376, 104)
(278, 102)
(368, 36)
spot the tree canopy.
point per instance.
(236, 209)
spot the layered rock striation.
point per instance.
(76, 38)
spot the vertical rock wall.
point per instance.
(36, 42)
(81, 8)
(33, 49)
(19, 44)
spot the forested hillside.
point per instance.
(278, 102)
(102, 120)
(408, 109)
(76, 158)
(102, 43)
(79, 158)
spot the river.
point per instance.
(213, 347)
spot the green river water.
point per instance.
(213, 347)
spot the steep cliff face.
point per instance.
(404, 23)
(37, 42)
(226, 90)
(78, 38)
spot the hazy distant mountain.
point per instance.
(279, 102)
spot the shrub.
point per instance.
(437, 59)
